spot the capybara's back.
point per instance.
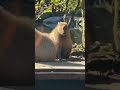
(45, 51)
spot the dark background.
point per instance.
(17, 46)
(60, 85)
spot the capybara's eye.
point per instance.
(65, 28)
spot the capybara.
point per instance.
(45, 50)
(66, 47)
(56, 44)
(63, 42)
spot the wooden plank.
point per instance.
(60, 65)
(60, 70)
(59, 75)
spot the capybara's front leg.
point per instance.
(59, 57)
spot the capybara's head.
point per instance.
(62, 27)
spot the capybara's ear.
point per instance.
(63, 24)
(58, 23)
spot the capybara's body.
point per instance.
(56, 44)
(66, 43)
(46, 50)
(63, 41)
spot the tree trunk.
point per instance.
(83, 23)
(116, 29)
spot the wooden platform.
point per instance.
(60, 70)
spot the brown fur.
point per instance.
(63, 42)
(66, 45)
(46, 50)
(58, 43)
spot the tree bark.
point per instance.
(83, 23)
(74, 12)
(116, 29)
